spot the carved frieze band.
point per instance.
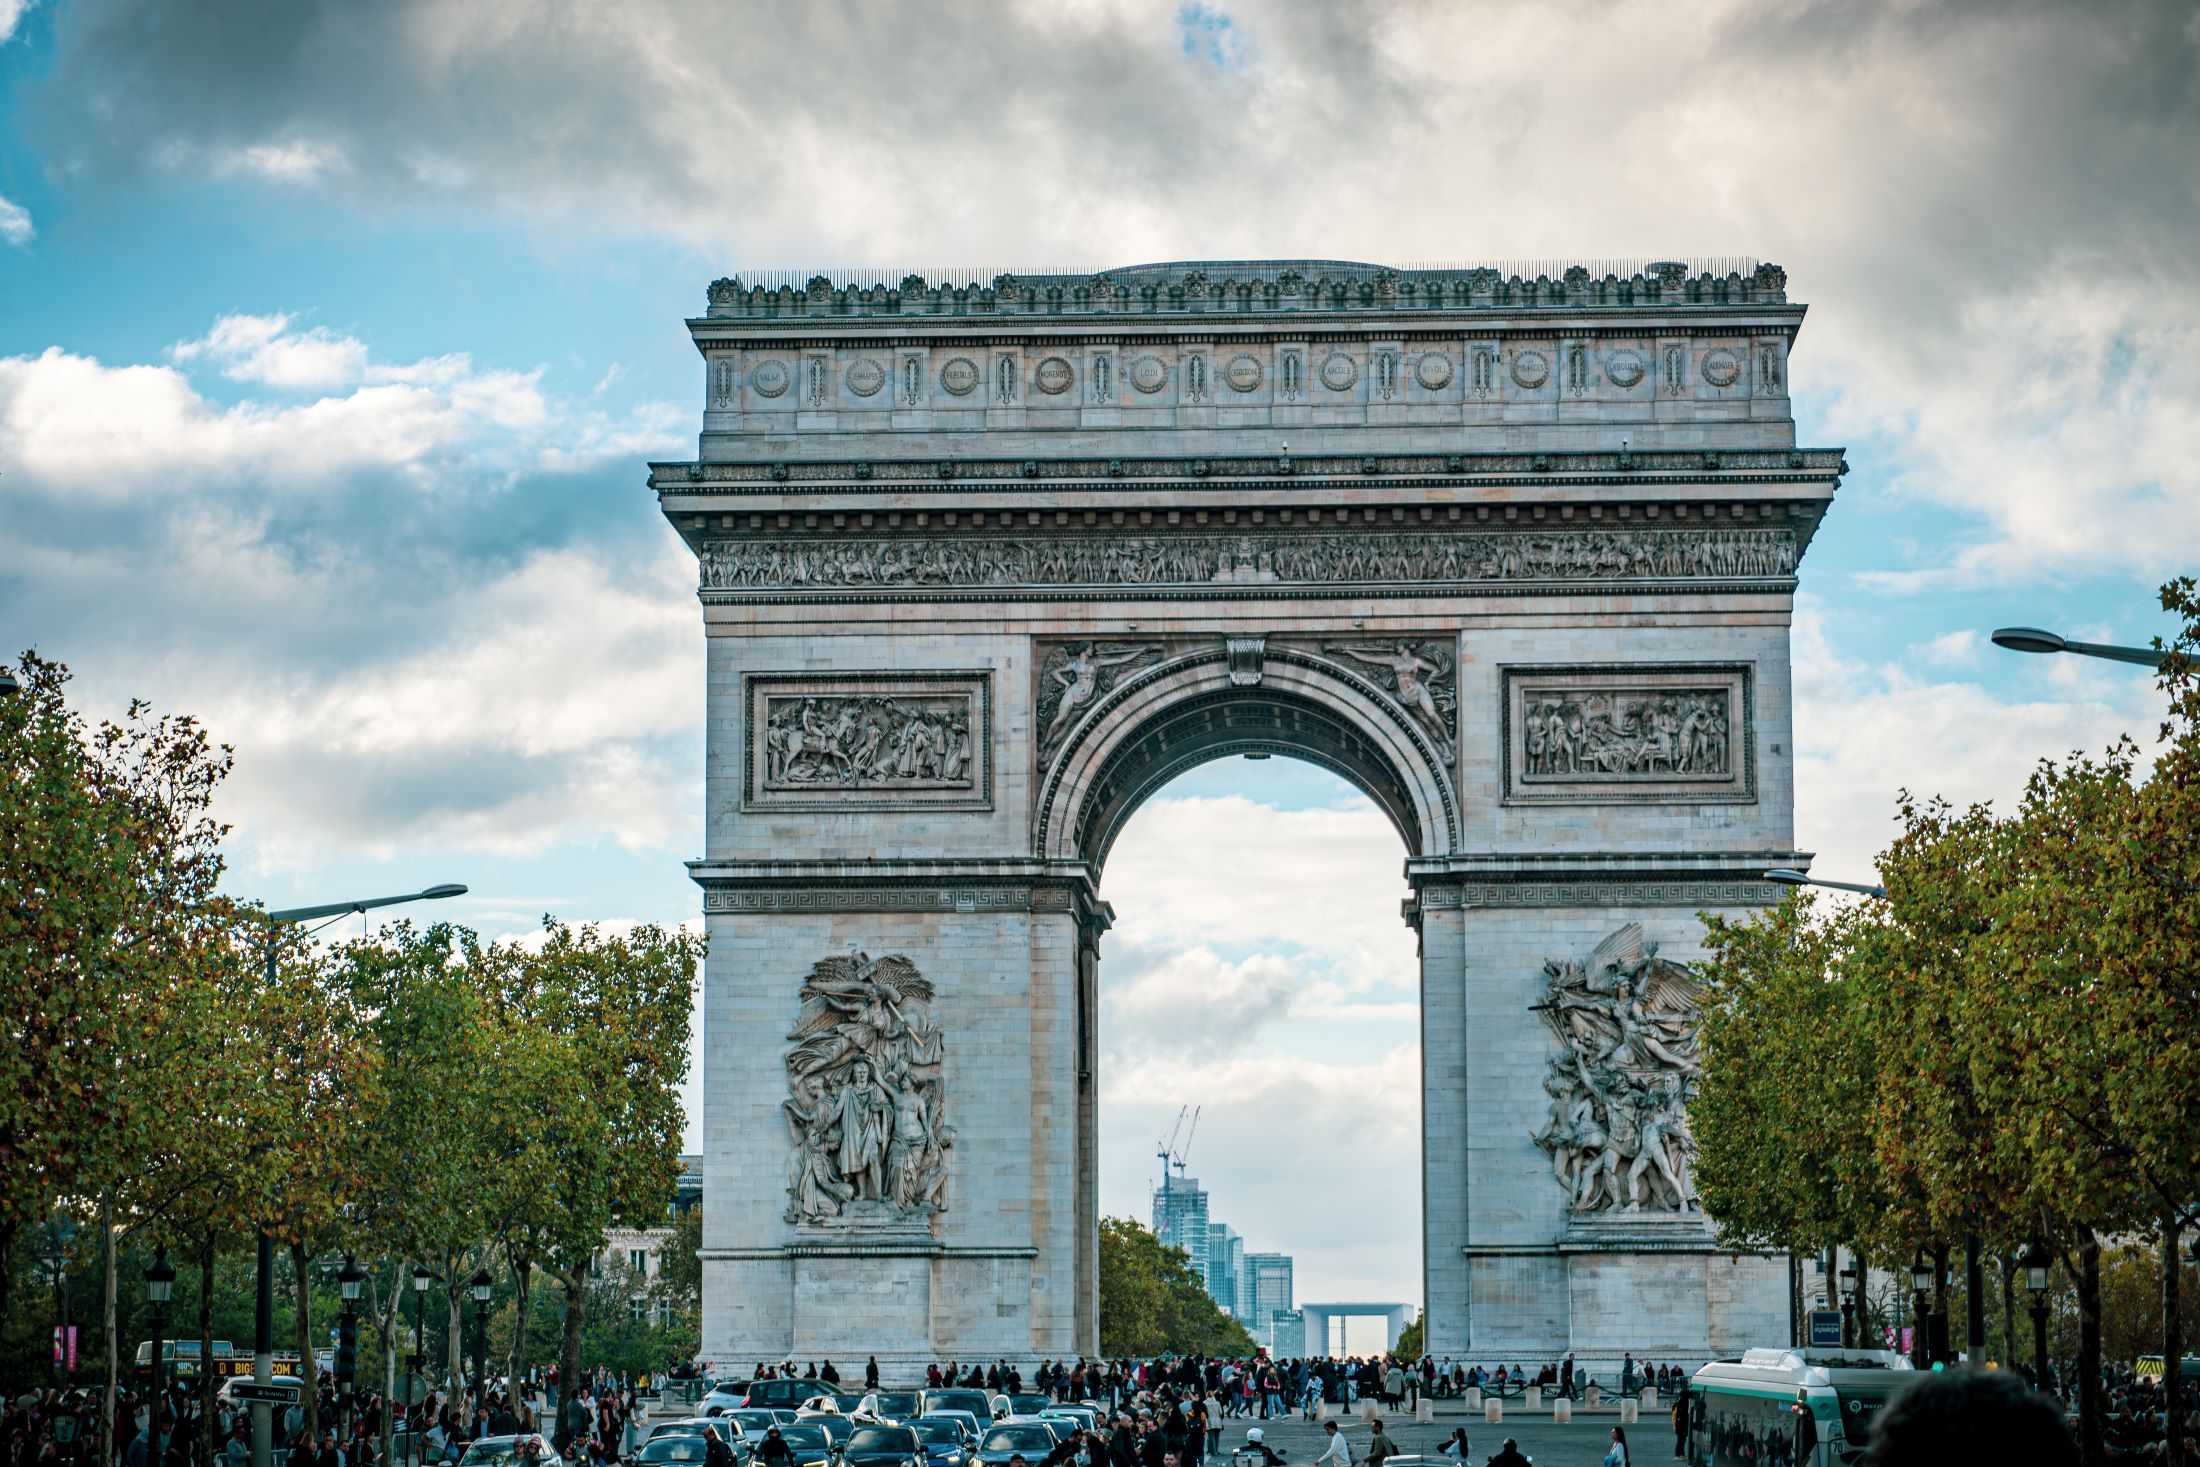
(1620, 734)
(893, 740)
(1282, 558)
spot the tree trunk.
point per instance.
(1865, 1339)
(390, 1317)
(2086, 1379)
(206, 1348)
(569, 1359)
(2173, 1344)
(9, 1233)
(523, 1275)
(107, 1327)
(301, 1264)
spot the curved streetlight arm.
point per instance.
(345, 909)
(1787, 877)
(2033, 639)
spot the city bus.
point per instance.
(181, 1357)
(1790, 1408)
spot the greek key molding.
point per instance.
(839, 899)
(867, 740)
(1456, 896)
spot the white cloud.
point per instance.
(1972, 198)
(15, 220)
(1863, 732)
(1260, 873)
(264, 349)
(292, 160)
(11, 16)
(342, 585)
(1193, 992)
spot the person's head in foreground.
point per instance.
(1970, 1416)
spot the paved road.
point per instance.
(1580, 1444)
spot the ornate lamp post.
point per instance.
(1921, 1283)
(481, 1287)
(1852, 1325)
(421, 1279)
(2037, 1261)
(348, 1280)
(160, 1284)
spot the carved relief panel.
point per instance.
(1652, 734)
(892, 740)
(866, 1106)
(1071, 677)
(1617, 1133)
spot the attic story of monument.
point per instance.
(984, 561)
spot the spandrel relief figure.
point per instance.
(1617, 1128)
(1419, 676)
(865, 1097)
(1072, 677)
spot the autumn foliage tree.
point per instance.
(1152, 1303)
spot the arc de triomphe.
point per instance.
(985, 562)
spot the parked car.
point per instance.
(720, 1400)
(1031, 1440)
(964, 1422)
(943, 1442)
(674, 1451)
(889, 1405)
(503, 1451)
(788, 1393)
(754, 1421)
(882, 1446)
(807, 1440)
(976, 1402)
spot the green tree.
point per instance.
(1152, 1303)
(1411, 1340)
(607, 1025)
(678, 1288)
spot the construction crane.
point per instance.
(1168, 1151)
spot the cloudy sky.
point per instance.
(332, 338)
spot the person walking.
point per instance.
(1380, 1448)
(1680, 1421)
(1336, 1451)
(1509, 1455)
(1616, 1454)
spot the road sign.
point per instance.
(245, 1390)
(1825, 1329)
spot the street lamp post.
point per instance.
(1921, 1281)
(481, 1286)
(348, 1280)
(421, 1279)
(263, 1300)
(1851, 1315)
(160, 1284)
(2037, 1261)
(2032, 639)
(56, 1258)
(1788, 877)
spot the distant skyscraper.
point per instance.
(1180, 1216)
(1224, 1248)
(1270, 1277)
(1286, 1335)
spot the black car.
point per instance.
(882, 1446)
(674, 1451)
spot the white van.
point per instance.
(1790, 1408)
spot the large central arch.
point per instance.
(986, 562)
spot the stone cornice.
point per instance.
(1650, 470)
(1222, 290)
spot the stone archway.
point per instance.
(985, 561)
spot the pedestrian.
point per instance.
(1336, 1451)
(1680, 1421)
(1455, 1446)
(1380, 1448)
(1616, 1454)
(870, 1374)
(1509, 1455)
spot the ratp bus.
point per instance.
(1790, 1408)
